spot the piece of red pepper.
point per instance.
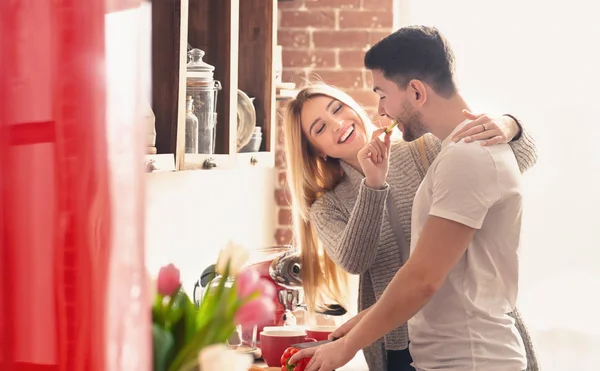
(286, 366)
(301, 364)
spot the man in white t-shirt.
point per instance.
(470, 191)
(462, 276)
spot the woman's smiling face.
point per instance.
(333, 128)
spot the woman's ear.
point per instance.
(418, 92)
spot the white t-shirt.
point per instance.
(465, 326)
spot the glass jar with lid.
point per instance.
(203, 89)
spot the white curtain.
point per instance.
(127, 35)
(540, 61)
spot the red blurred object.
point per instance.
(281, 266)
(57, 227)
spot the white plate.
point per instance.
(246, 119)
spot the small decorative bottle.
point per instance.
(191, 128)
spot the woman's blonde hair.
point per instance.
(309, 176)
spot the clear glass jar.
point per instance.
(203, 89)
(191, 128)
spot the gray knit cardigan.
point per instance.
(352, 224)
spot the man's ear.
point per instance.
(417, 92)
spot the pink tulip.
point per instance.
(267, 289)
(247, 282)
(256, 312)
(168, 281)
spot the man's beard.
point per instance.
(412, 124)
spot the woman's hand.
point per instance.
(374, 159)
(488, 129)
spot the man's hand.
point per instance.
(326, 357)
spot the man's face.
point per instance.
(399, 104)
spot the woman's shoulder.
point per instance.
(327, 202)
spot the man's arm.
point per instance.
(348, 325)
(440, 247)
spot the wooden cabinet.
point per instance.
(239, 38)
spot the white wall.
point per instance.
(540, 61)
(190, 216)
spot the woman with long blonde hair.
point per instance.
(342, 225)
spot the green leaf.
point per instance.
(185, 325)
(192, 365)
(158, 313)
(162, 348)
(189, 351)
(174, 316)
(190, 318)
(213, 321)
(212, 299)
(225, 333)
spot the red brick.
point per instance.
(368, 79)
(290, 4)
(280, 137)
(315, 18)
(341, 79)
(293, 38)
(340, 4)
(366, 98)
(308, 58)
(280, 159)
(283, 197)
(351, 58)
(282, 179)
(375, 36)
(366, 19)
(340, 39)
(284, 236)
(285, 217)
(293, 75)
(387, 5)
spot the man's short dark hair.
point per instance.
(415, 52)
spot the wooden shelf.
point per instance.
(228, 31)
(160, 163)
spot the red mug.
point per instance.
(320, 333)
(274, 342)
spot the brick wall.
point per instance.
(326, 39)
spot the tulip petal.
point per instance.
(247, 282)
(169, 280)
(256, 312)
